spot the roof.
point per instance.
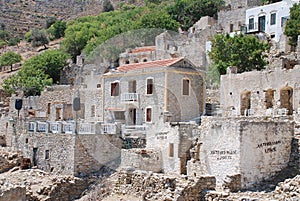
(150, 64)
(143, 49)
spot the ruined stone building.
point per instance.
(157, 95)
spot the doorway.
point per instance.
(286, 99)
(262, 24)
(35, 151)
(132, 116)
(245, 102)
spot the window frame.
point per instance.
(183, 87)
(249, 22)
(273, 18)
(113, 92)
(148, 85)
(147, 115)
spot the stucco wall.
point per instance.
(255, 148)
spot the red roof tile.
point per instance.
(143, 49)
(150, 64)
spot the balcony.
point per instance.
(108, 129)
(55, 127)
(134, 130)
(129, 97)
(251, 28)
(86, 128)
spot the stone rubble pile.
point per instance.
(34, 184)
(9, 159)
(155, 186)
(288, 190)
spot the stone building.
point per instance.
(140, 94)
(261, 93)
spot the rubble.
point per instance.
(34, 184)
(9, 159)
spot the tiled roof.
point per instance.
(150, 64)
(143, 49)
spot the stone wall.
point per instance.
(231, 20)
(141, 159)
(9, 159)
(92, 152)
(257, 83)
(255, 148)
(174, 142)
(60, 148)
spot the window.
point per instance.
(47, 154)
(273, 18)
(148, 114)
(119, 115)
(132, 86)
(98, 85)
(186, 87)
(251, 23)
(93, 111)
(49, 108)
(231, 27)
(149, 86)
(115, 89)
(171, 150)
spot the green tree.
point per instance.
(107, 6)
(13, 41)
(57, 30)
(245, 52)
(292, 28)
(187, 12)
(4, 35)
(49, 21)
(39, 38)
(37, 72)
(30, 80)
(50, 61)
(10, 58)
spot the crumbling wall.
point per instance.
(255, 148)
(265, 148)
(92, 152)
(153, 186)
(141, 159)
(231, 20)
(49, 152)
(258, 83)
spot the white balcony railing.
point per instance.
(108, 129)
(86, 128)
(42, 127)
(68, 128)
(134, 128)
(129, 97)
(55, 127)
(32, 126)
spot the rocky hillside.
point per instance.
(19, 16)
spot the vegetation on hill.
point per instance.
(243, 51)
(86, 33)
(9, 59)
(37, 72)
(292, 28)
(189, 12)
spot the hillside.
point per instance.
(20, 16)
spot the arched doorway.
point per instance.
(245, 102)
(269, 98)
(286, 99)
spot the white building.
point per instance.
(269, 18)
